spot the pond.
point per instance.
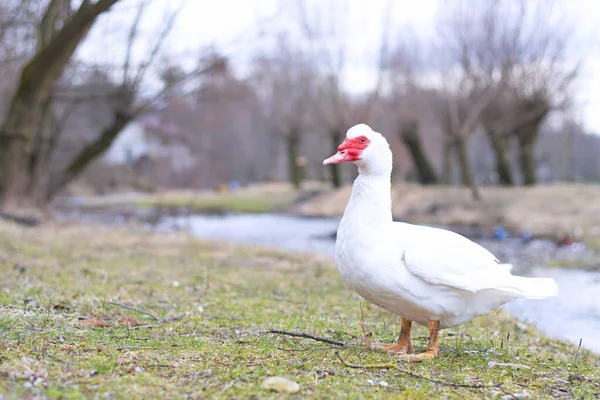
(574, 315)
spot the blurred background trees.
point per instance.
(489, 99)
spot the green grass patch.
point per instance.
(227, 202)
(214, 304)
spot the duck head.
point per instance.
(368, 149)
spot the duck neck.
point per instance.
(371, 198)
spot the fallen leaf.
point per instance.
(93, 322)
(129, 321)
(66, 347)
(280, 384)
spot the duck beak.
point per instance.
(342, 155)
(336, 158)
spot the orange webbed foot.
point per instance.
(395, 348)
(427, 355)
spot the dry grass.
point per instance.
(547, 210)
(208, 307)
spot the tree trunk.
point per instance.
(410, 136)
(527, 135)
(294, 168)
(24, 114)
(88, 154)
(503, 168)
(468, 180)
(448, 173)
(337, 136)
(39, 156)
(527, 162)
(14, 145)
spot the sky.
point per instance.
(239, 27)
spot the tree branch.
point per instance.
(308, 336)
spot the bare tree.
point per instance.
(61, 30)
(126, 100)
(285, 82)
(469, 83)
(326, 32)
(528, 46)
(402, 67)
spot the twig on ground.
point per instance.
(284, 349)
(135, 309)
(136, 348)
(578, 349)
(417, 376)
(308, 336)
(133, 328)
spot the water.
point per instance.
(281, 231)
(573, 315)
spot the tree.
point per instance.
(528, 45)
(469, 82)
(409, 133)
(334, 106)
(61, 30)
(403, 65)
(228, 123)
(44, 99)
(284, 82)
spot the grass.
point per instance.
(258, 198)
(221, 203)
(208, 308)
(545, 210)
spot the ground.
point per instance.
(200, 320)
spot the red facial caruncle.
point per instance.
(349, 151)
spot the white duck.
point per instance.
(431, 276)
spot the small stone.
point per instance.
(523, 395)
(383, 384)
(508, 365)
(280, 384)
(494, 393)
(93, 372)
(176, 284)
(27, 385)
(200, 309)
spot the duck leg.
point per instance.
(432, 347)
(404, 344)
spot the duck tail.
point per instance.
(532, 288)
